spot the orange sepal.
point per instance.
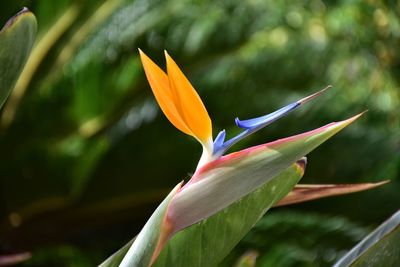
(159, 84)
(188, 102)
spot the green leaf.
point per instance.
(16, 41)
(379, 248)
(208, 242)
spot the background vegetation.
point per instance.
(87, 154)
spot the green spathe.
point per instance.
(184, 248)
(223, 182)
(209, 241)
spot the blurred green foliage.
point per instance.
(290, 238)
(87, 155)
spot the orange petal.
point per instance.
(189, 103)
(159, 84)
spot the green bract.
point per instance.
(217, 185)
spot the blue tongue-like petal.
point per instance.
(263, 121)
(220, 139)
(252, 125)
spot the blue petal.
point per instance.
(252, 125)
(266, 119)
(219, 140)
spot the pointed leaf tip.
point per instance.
(16, 17)
(327, 130)
(307, 192)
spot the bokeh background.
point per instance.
(86, 154)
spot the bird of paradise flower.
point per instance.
(221, 180)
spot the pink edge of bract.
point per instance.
(167, 228)
(242, 153)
